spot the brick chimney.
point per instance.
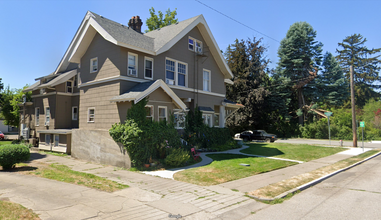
(136, 23)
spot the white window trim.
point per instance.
(88, 115)
(177, 72)
(211, 119)
(47, 122)
(177, 123)
(72, 113)
(194, 45)
(136, 63)
(151, 59)
(37, 121)
(72, 86)
(190, 44)
(218, 116)
(91, 65)
(158, 112)
(210, 80)
(153, 111)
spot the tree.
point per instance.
(10, 110)
(249, 66)
(332, 87)
(157, 21)
(299, 57)
(366, 67)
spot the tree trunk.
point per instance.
(353, 109)
(300, 101)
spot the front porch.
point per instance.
(57, 140)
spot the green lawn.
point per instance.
(301, 152)
(225, 167)
(5, 142)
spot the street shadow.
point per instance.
(19, 169)
(262, 149)
(227, 156)
(35, 156)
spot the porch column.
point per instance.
(222, 116)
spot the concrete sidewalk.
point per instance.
(148, 197)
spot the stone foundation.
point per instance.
(99, 147)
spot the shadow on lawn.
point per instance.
(262, 149)
(219, 157)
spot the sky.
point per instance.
(35, 34)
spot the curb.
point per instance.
(314, 182)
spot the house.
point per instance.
(108, 66)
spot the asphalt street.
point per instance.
(353, 194)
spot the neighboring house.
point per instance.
(108, 66)
(7, 128)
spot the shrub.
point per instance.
(177, 157)
(12, 154)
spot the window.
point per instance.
(194, 45)
(37, 114)
(176, 72)
(162, 113)
(149, 111)
(132, 65)
(207, 118)
(206, 81)
(148, 68)
(91, 115)
(74, 113)
(56, 140)
(47, 139)
(69, 87)
(76, 80)
(216, 120)
(47, 116)
(191, 44)
(94, 65)
(179, 120)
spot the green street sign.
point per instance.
(328, 113)
(362, 124)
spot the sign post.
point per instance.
(328, 114)
(362, 125)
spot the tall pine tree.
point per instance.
(366, 67)
(299, 57)
(332, 87)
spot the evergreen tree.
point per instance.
(157, 21)
(249, 66)
(366, 67)
(332, 86)
(299, 57)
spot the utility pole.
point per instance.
(353, 108)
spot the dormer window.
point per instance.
(94, 65)
(194, 45)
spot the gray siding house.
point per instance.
(108, 66)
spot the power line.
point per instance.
(237, 21)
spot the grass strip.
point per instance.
(5, 142)
(65, 174)
(301, 152)
(275, 189)
(14, 211)
(226, 167)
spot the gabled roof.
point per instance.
(142, 90)
(52, 81)
(154, 42)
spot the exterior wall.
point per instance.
(99, 147)
(108, 60)
(63, 112)
(98, 96)
(42, 103)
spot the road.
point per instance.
(326, 142)
(353, 194)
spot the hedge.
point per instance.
(13, 153)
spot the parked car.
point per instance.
(258, 135)
(2, 137)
